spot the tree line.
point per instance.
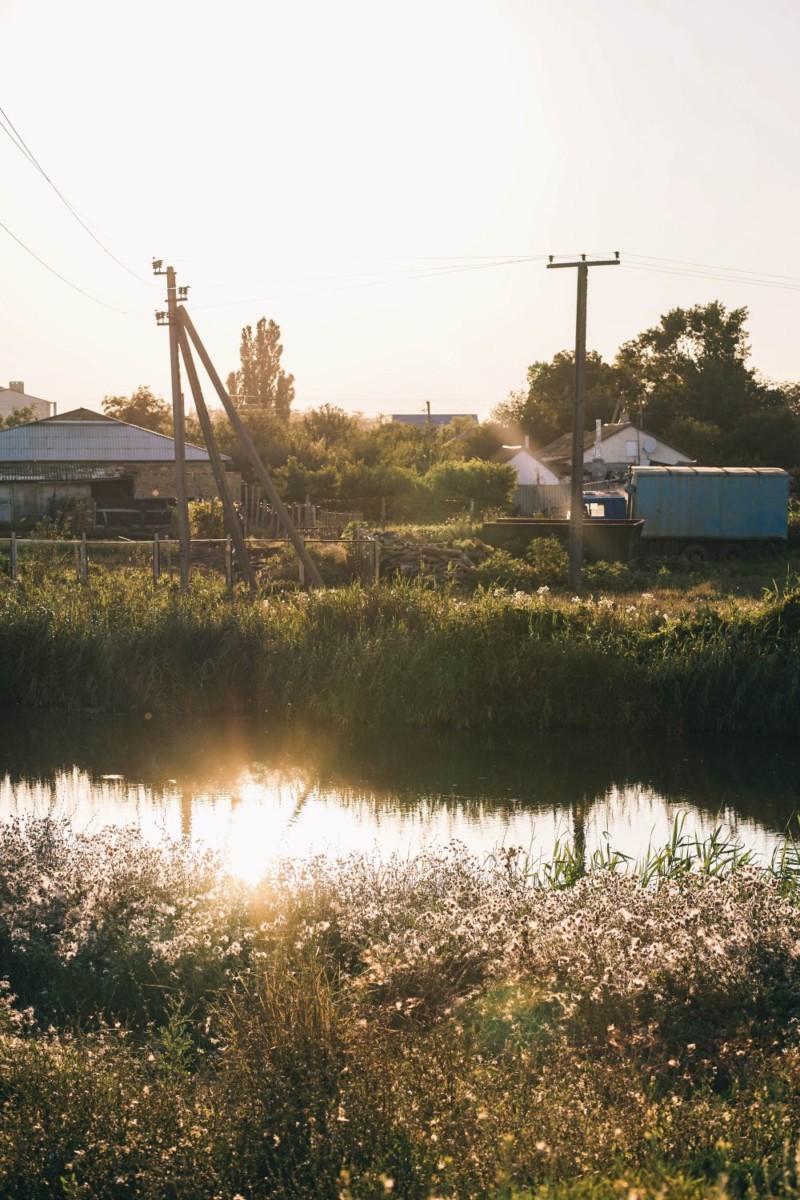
(687, 380)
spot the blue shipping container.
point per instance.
(736, 503)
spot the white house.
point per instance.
(615, 448)
(529, 468)
(15, 397)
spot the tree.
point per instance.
(18, 416)
(330, 426)
(544, 409)
(142, 408)
(260, 381)
(489, 485)
(690, 377)
(464, 438)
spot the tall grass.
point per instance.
(424, 1027)
(404, 654)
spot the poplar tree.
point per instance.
(261, 382)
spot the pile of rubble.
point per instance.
(431, 559)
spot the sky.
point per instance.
(385, 182)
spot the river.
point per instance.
(256, 794)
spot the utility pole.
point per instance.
(576, 498)
(246, 442)
(235, 531)
(178, 418)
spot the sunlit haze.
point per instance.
(358, 171)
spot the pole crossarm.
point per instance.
(584, 262)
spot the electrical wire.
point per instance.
(717, 278)
(434, 273)
(63, 278)
(485, 260)
(734, 274)
(17, 140)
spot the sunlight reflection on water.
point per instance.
(264, 816)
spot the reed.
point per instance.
(405, 655)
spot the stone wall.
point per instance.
(154, 480)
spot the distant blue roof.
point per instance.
(420, 420)
(88, 437)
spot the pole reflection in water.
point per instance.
(257, 795)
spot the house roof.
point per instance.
(85, 436)
(506, 453)
(561, 447)
(420, 420)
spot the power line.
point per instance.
(17, 140)
(650, 262)
(53, 271)
(434, 273)
(718, 278)
(390, 275)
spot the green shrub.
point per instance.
(609, 576)
(502, 569)
(548, 560)
(207, 519)
(486, 484)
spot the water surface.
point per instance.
(258, 794)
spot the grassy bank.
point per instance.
(432, 1027)
(405, 655)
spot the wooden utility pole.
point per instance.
(178, 419)
(576, 497)
(234, 526)
(310, 571)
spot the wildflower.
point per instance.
(544, 590)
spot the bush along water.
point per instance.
(404, 654)
(426, 1027)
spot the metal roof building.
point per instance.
(102, 464)
(85, 436)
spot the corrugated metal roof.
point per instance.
(102, 440)
(43, 473)
(656, 472)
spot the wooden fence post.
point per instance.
(83, 560)
(229, 562)
(377, 548)
(156, 558)
(14, 559)
(302, 568)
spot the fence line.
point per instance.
(543, 499)
(156, 555)
(259, 517)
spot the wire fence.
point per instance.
(274, 560)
